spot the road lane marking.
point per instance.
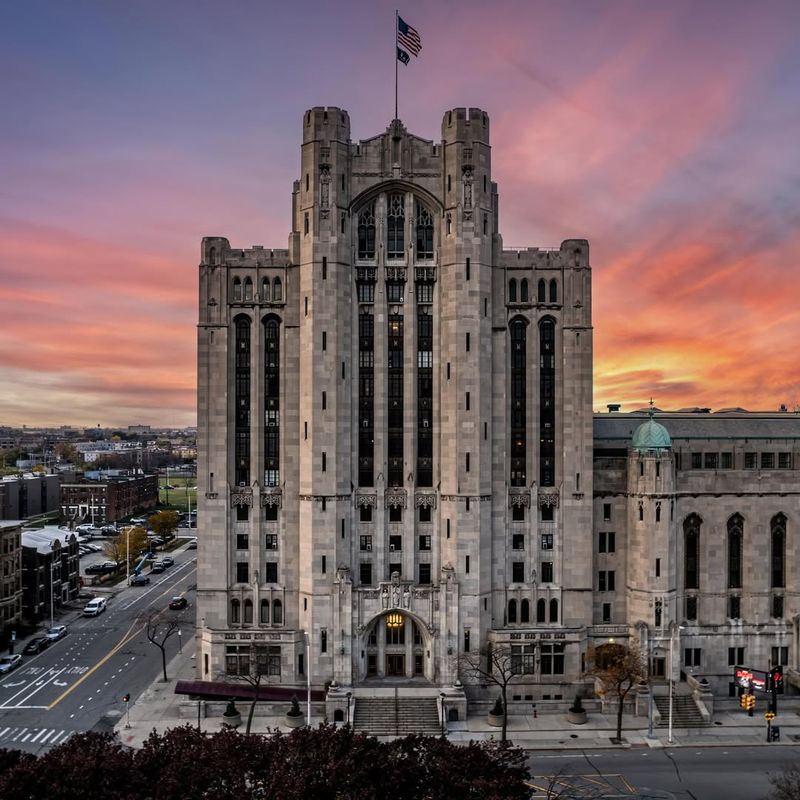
(38, 735)
(56, 737)
(19, 734)
(3, 732)
(28, 685)
(155, 586)
(41, 686)
(49, 734)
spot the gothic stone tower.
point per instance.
(395, 425)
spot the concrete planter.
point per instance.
(294, 721)
(576, 717)
(232, 720)
(495, 720)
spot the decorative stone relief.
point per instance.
(241, 496)
(366, 501)
(324, 191)
(425, 500)
(519, 498)
(396, 274)
(271, 497)
(547, 499)
(395, 498)
(425, 274)
(467, 179)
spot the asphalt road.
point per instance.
(686, 773)
(79, 681)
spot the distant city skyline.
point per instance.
(665, 135)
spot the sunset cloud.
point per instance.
(665, 134)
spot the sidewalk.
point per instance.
(159, 708)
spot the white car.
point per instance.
(94, 607)
(7, 663)
(56, 632)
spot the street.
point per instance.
(81, 678)
(688, 773)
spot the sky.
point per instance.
(664, 133)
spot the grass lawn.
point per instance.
(179, 498)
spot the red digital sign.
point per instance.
(750, 678)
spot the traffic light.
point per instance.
(776, 675)
(126, 698)
(748, 702)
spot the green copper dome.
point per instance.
(651, 436)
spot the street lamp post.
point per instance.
(308, 677)
(349, 695)
(441, 700)
(52, 564)
(650, 686)
(180, 640)
(128, 555)
(673, 629)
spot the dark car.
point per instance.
(36, 645)
(177, 603)
(101, 569)
(139, 580)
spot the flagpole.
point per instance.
(396, 17)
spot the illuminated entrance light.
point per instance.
(394, 621)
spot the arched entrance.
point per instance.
(396, 646)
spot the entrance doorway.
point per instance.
(395, 665)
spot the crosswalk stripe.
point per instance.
(27, 736)
(38, 734)
(60, 733)
(19, 734)
(49, 734)
(3, 732)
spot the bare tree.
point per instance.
(158, 632)
(786, 784)
(494, 664)
(619, 668)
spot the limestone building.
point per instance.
(399, 463)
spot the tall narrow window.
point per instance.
(512, 612)
(553, 291)
(523, 290)
(512, 290)
(237, 290)
(242, 401)
(277, 291)
(424, 393)
(395, 226)
(541, 291)
(518, 402)
(265, 292)
(366, 393)
(735, 542)
(248, 290)
(554, 610)
(272, 417)
(541, 607)
(547, 402)
(366, 232)
(691, 545)
(525, 611)
(395, 400)
(424, 232)
(778, 536)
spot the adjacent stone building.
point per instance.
(50, 572)
(109, 500)
(399, 463)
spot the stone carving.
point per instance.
(425, 500)
(395, 498)
(396, 274)
(467, 178)
(425, 274)
(547, 499)
(271, 497)
(366, 501)
(241, 496)
(519, 498)
(324, 191)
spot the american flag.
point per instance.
(408, 37)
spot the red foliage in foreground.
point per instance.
(324, 763)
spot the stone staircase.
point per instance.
(397, 716)
(685, 713)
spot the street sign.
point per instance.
(748, 678)
(769, 716)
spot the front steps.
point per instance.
(397, 716)
(685, 713)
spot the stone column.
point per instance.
(381, 631)
(409, 647)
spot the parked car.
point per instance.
(154, 539)
(56, 632)
(103, 568)
(35, 646)
(94, 607)
(138, 520)
(7, 663)
(192, 544)
(157, 566)
(168, 561)
(177, 603)
(108, 530)
(139, 580)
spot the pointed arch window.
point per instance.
(541, 291)
(523, 290)
(547, 402)
(554, 610)
(424, 232)
(541, 607)
(264, 615)
(518, 397)
(553, 291)
(691, 546)
(237, 290)
(735, 543)
(235, 611)
(512, 290)
(778, 537)
(366, 232)
(277, 291)
(272, 418)
(525, 611)
(512, 612)
(265, 293)
(277, 612)
(248, 612)
(248, 290)
(242, 401)
(395, 226)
